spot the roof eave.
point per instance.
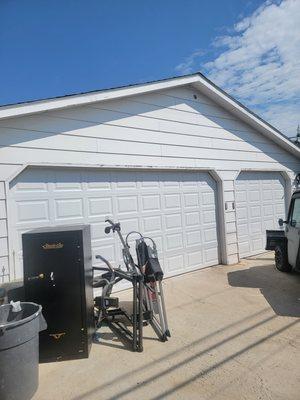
(38, 106)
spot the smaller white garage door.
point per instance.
(260, 202)
(177, 209)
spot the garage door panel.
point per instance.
(255, 211)
(66, 209)
(267, 195)
(31, 187)
(192, 219)
(255, 228)
(149, 181)
(243, 230)
(127, 204)
(279, 209)
(254, 195)
(172, 201)
(241, 212)
(207, 198)
(259, 204)
(66, 186)
(257, 244)
(175, 263)
(99, 206)
(31, 182)
(209, 217)
(193, 238)
(191, 200)
(151, 202)
(173, 221)
(176, 209)
(171, 182)
(33, 211)
(240, 195)
(174, 241)
(210, 255)
(125, 185)
(194, 257)
(244, 247)
(152, 224)
(268, 210)
(94, 182)
(210, 235)
(189, 185)
(278, 195)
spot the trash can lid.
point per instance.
(10, 319)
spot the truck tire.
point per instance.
(281, 260)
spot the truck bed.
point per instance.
(275, 238)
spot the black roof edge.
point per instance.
(100, 90)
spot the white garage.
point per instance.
(260, 202)
(178, 159)
(178, 210)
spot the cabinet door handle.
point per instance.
(36, 277)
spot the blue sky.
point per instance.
(53, 48)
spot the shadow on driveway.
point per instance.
(282, 291)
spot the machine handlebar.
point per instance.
(98, 257)
(114, 227)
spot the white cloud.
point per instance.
(259, 63)
(284, 116)
(187, 66)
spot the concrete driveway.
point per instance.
(235, 335)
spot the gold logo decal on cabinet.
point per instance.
(57, 335)
(52, 246)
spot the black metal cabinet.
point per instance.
(58, 275)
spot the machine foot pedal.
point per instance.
(108, 302)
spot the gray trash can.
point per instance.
(19, 350)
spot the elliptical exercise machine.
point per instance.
(104, 303)
(148, 299)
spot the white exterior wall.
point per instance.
(165, 129)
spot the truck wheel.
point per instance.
(281, 260)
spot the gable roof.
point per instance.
(197, 80)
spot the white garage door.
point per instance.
(260, 202)
(177, 209)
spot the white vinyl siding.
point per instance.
(168, 128)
